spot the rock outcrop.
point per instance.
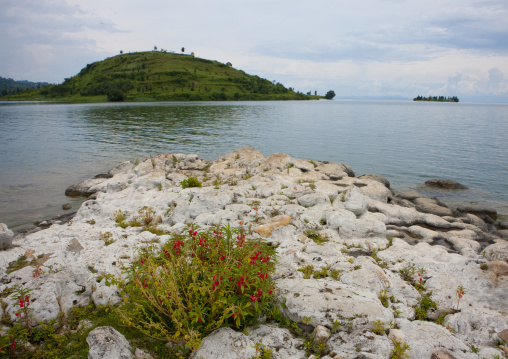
(373, 256)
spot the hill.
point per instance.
(9, 86)
(161, 76)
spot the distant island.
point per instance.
(162, 76)
(437, 98)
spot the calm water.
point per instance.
(47, 147)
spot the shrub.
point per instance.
(190, 182)
(198, 282)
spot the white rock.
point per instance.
(107, 343)
(280, 340)
(320, 334)
(5, 236)
(225, 343)
(355, 201)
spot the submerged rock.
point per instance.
(445, 184)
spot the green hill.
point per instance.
(160, 76)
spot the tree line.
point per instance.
(437, 98)
(9, 86)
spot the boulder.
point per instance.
(320, 334)
(265, 230)
(107, 343)
(429, 205)
(124, 167)
(481, 211)
(6, 236)
(225, 343)
(280, 340)
(355, 201)
(410, 196)
(503, 335)
(83, 188)
(497, 252)
(378, 178)
(445, 184)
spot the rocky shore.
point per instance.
(391, 254)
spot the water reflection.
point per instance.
(47, 147)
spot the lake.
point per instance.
(45, 147)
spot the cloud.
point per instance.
(475, 82)
(39, 36)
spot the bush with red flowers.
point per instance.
(197, 282)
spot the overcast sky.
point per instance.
(356, 48)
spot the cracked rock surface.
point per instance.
(356, 233)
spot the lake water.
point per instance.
(46, 147)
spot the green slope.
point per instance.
(159, 76)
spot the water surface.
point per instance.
(47, 147)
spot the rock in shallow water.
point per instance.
(483, 212)
(445, 184)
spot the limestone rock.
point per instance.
(320, 334)
(355, 201)
(324, 299)
(140, 354)
(83, 188)
(265, 230)
(225, 343)
(503, 335)
(444, 184)
(426, 338)
(429, 205)
(442, 354)
(497, 252)
(280, 340)
(396, 335)
(74, 246)
(481, 211)
(5, 236)
(107, 343)
(378, 178)
(124, 167)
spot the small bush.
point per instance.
(190, 182)
(198, 282)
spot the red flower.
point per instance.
(199, 320)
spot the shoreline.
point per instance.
(315, 215)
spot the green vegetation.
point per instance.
(437, 98)
(162, 76)
(329, 95)
(190, 182)
(198, 282)
(10, 87)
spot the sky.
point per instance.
(355, 48)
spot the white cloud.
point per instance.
(371, 47)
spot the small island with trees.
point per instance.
(437, 98)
